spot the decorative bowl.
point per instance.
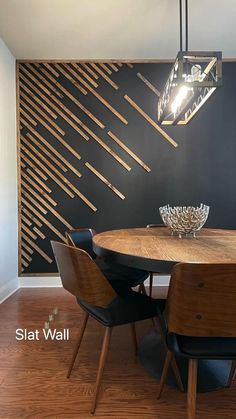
(184, 220)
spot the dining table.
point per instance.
(152, 249)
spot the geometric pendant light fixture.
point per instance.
(194, 77)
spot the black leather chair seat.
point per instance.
(122, 310)
(202, 347)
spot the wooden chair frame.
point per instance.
(195, 292)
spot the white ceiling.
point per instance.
(106, 29)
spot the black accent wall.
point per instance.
(200, 169)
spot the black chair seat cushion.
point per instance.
(202, 347)
(122, 310)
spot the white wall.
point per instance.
(8, 175)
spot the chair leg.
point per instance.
(142, 289)
(150, 284)
(177, 375)
(134, 337)
(192, 388)
(77, 346)
(169, 357)
(102, 360)
(231, 374)
(174, 365)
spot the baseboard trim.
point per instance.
(6, 290)
(159, 280)
(47, 282)
(40, 282)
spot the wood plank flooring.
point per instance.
(33, 381)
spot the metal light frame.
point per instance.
(194, 77)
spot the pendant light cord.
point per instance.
(181, 25)
(186, 25)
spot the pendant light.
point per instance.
(194, 77)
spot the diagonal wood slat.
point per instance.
(35, 89)
(27, 248)
(39, 233)
(24, 262)
(50, 174)
(39, 181)
(97, 95)
(149, 84)
(48, 206)
(36, 99)
(150, 121)
(40, 112)
(53, 71)
(95, 137)
(26, 220)
(30, 233)
(25, 194)
(32, 165)
(71, 79)
(44, 220)
(104, 76)
(32, 217)
(90, 71)
(48, 164)
(106, 68)
(37, 248)
(26, 115)
(47, 153)
(76, 101)
(40, 190)
(113, 66)
(49, 85)
(104, 180)
(64, 179)
(86, 76)
(130, 152)
(26, 256)
(50, 147)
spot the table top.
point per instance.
(142, 247)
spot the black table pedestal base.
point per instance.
(212, 375)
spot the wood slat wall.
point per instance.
(73, 135)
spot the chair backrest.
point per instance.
(82, 238)
(202, 300)
(81, 276)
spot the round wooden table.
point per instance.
(146, 248)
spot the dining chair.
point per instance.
(82, 238)
(81, 277)
(121, 277)
(199, 320)
(164, 269)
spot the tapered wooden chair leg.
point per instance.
(134, 338)
(142, 289)
(177, 375)
(192, 388)
(169, 357)
(231, 374)
(174, 365)
(150, 284)
(102, 360)
(77, 346)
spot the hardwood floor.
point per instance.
(33, 381)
